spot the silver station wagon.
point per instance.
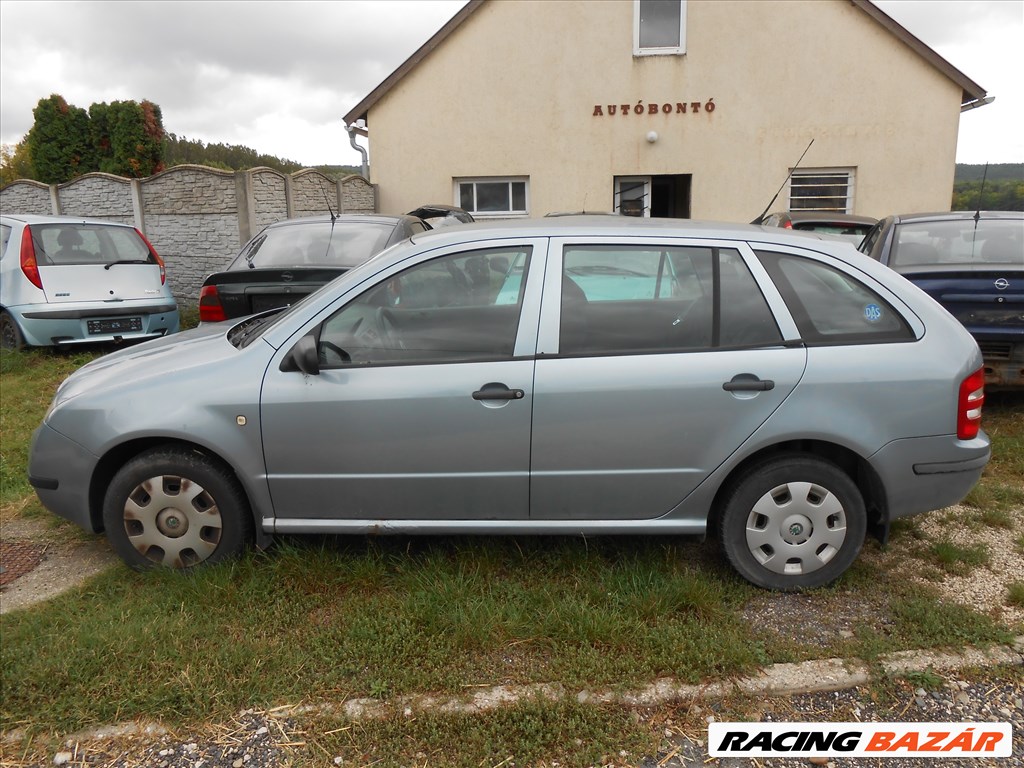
(570, 376)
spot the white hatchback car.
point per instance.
(67, 280)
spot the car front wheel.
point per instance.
(176, 508)
(795, 522)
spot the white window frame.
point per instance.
(678, 50)
(633, 181)
(849, 173)
(474, 180)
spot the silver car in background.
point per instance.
(66, 280)
(570, 376)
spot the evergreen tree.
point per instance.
(59, 142)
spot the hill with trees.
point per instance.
(1003, 187)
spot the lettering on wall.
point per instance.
(654, 108)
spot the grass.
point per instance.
(958, 560)
(325, 619)
(1015, 594)
(1002, 486)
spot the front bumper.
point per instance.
(926, 473)
(61, 470)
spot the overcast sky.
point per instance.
(278, 76)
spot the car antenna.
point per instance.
(760, 219)
(981, 195)
(327, 201)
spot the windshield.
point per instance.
(852, 232)
(992, 241)
(88, 244)
(315, 243)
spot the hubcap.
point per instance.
(796, 528)
(173, 521)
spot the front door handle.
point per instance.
(498, 391)
(746, 382)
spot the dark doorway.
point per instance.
(670, 196)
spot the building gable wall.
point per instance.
(514, 91)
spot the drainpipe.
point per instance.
(352, 131)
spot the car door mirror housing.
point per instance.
(303, 357)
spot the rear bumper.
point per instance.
(58, 325)
(1004, 363)
(925, 473)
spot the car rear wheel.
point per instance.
(795, 522)
(10, 333)
(176, 508)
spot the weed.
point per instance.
(958, 560)
(1015, 594)
(923, 678)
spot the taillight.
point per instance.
(788, 225)
(210, 309)
(152, 250)
(968, 411)
(28, 259)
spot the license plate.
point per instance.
(273, 301)
(118, 325)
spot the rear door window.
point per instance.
(831, 307)
(622, 299)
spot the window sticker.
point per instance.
(872, 313)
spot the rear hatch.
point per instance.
(81, 262)
(243, 292)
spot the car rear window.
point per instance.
(853, 232)
(831, 307)
(959, 242)
(63, 244)
(342, 244)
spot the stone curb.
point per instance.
(778, 680)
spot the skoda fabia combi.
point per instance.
(572, 376)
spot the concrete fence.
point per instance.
(196, 217)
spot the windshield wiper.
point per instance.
(251, 254)
(125, 261)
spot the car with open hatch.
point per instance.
(847, 226)
(971, 262)
(565, 376)
(66, 280)
(288, 260)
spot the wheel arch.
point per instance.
(118, 456)
(855, 466)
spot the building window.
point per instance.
(822, 189)
(659, 27)
(633, 195)
(493, 196)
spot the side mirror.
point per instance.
(304, 357)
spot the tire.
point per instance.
(10, 333)
(176, 508)
(795, 522)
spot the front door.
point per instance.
(423, 404)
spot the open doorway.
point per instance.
(664, 196)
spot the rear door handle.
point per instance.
(745, 382)
(498, 391)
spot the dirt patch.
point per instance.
(41, 561)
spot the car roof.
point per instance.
(364, 218)
(957, 216)
(624, 226)
(826, 216)
(32, 218)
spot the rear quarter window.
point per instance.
(831, 307)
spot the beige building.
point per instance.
(683, 108)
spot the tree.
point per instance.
(59, 141)
(128, 137)
(15, 163)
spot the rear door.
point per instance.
(94, 262)
(655, 363)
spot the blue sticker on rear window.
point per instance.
(872, 313)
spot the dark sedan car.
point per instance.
(288, 260)
(845, 225)
(973, 264)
